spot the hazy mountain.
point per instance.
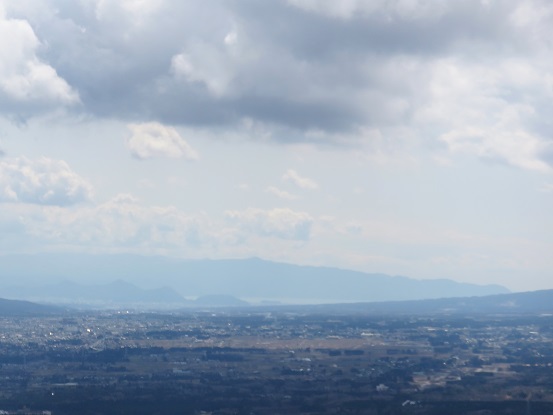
(219, 301)
(242, 278)
(11, 308)
(114, 293)
(532, 302)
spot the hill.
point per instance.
(531, 302)
(17, 308)
(117, 293)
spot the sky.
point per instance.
(407, 137)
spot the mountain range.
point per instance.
(247, 279)
(515, 304)
(116, 293)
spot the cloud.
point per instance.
(488, 122)
(303, 182)
(347, 9)
(121, 224)
(124, 224)
(279, 223)
(517, 147)
(209, 70)
(133, 11)
(416, 72)
(153, 140)
(43, 181)
(28, 85)
(280, 193)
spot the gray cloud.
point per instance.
(286, 67)
(28, 85)
(301, 66)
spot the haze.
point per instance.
(400, 137)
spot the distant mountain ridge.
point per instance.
(115, 293)
(530, 302)
(241, 278)
(18, 308)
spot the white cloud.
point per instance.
(231, 38)
(218, 64)
(154, 140)
(303, 182)
(517, 147)
(207, 64)
(121, 224)
(25, 80)
(211, 63)
(281, 223)
(125, 225)
(472, 106)
(280, 193)
(43, 181)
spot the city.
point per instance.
(266, 362)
